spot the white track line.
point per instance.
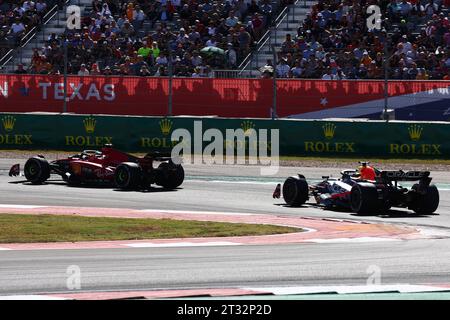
(196, 212)
(20, 206)
(345, 240)
(30, 297)
(402, 288)
(241, 182)
(181, 244)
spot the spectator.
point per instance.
(257, 26)
(266, 10)
(144, 71)
(28, 5)
(288, 46)
(196, 59)
(231, 56)
(17, 29)
(145, 50)
(83, 70)
(155, 50)
(328, 75)
(161, 60)
(232, 20)
(297, 70)
(95, 71)
(431, 8)
(164, 14)
(20, 69)
(127, 30)
(244, 39)
(107, 71)
(282, 69)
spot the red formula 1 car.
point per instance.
(108, 166)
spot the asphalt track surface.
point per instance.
(221, 189)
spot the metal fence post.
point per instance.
(386, 81)
(65, 76)
(274, 102)
(170, 97)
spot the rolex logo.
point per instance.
(328, 130)
(89, 124)
(415, 131)
(247, 126)
(8, 123)
(165, 125)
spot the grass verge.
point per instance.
(18, 228)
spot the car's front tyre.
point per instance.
(295, 191)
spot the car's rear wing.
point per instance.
(399, 175)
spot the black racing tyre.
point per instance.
(426, 203)
(295, 191)
(364, 199)
(171, 175)
(128, 175)
(37, 170)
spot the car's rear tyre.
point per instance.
(426, 203)
(37, 170)
(295, 191)
(171, 175)
(128, 176)
(364, 199)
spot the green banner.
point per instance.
(297, 137)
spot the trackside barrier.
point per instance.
(297, 137)
(227, 98)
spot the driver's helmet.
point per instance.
(364, 163)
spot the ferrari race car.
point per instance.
(364, 196)
(106, 167)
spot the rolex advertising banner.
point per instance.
(296, 137)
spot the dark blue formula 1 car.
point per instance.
(364, 196)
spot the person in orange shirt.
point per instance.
(130, 11)
(366, 172)
(366, 59)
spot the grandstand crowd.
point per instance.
(334, 42)
(140, 37)
(19, 17)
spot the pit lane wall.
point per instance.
(297, 137)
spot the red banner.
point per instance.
(199, 97)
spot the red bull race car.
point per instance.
(364, 196)
(107, 166)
